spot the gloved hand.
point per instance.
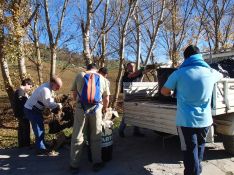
(57, 109)
(142, 68)
(107, 123)
(60, 105)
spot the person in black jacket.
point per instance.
(131, 75)
(20, 98)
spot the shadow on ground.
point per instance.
(131, 156)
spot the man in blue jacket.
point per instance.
(193, 83)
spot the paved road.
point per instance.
(131, 156)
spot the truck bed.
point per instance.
(142, 107)
(151, 115)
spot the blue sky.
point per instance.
(71, 29)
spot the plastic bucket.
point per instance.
(107, 144)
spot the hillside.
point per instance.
(8, 123)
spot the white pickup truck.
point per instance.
(141, 108)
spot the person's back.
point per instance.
(88, 115)
(40, 98)
(194, 90)
(20, 98)
(193, 83)
(79, 83)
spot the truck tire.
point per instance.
(228, 143)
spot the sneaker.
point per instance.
(46, 152)
(98, 166)
(74, 170)
(121, 134)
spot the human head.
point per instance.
(103, 71)
(130, 67)
(27, 84)
(91, 66)
(56, 83)
(191, 50)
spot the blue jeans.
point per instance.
(36, 120)
(193, 145)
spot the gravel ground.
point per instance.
(150, 155)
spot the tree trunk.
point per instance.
(87, 53)
(216, 26)
(138, 30)
(103, 55)
(37, 49)
(53, 61)
(54, 42)
(21, 59)
(120, 73)
(18, 33)
(39, 63)
(104, 35)
(155, 32)
(4, 67)
(132, 6)
(85, 26)
(174, 45)
(7, 79)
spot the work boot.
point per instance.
(98, 166)
(74, 170)
(121, 134)
(42, 152)
(137, 133)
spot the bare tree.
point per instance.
(103, 22)
(123, 23)
(156, 19)
(35, 39)
(218, 22)
(104, 36)
(53, 39)
(138, 37)
(176, 28)
(86, 27)
(198, 19)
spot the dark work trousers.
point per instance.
(23, 132)
(122, 127)
(193, 145)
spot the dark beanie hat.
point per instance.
(103, 70)
(191, 50)
(91, 66)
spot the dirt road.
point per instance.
(131, 156)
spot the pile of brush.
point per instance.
(63, 118)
